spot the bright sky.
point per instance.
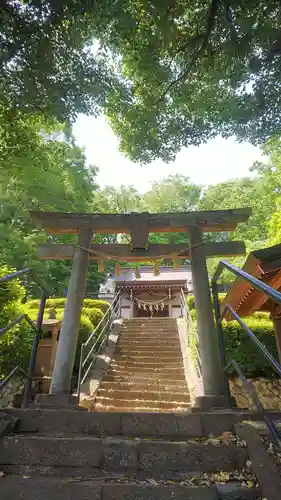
(213, 162)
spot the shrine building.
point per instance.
(144, 294)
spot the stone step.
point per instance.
(135, 348)
(149, 320)
(149, 344)
(69, 422)
(149, 331)
(179, 426)
(147, 367)
(136, 385)
(165, 375)
(45, 488)
(131, 403)
(146, 337)
(152, 458)
(147, 394)
(147, 362)
(148, 410)
(140, 378)
(140, 357)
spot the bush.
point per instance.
(15, 345)
(238, 344)
(240, 347)
(190, 300)
(95, 315)
(10, 290)
(98, 304)
(56, 302)
(59, 302)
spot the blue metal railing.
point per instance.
(37, 333)
(276, 297)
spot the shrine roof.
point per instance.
(166, 275)
(265, 265)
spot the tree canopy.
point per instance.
(194, 69)
(48, 66)
(168, 74)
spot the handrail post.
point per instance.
(32, 360)
(80, 373)
(216, 303)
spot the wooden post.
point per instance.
(62, 374)
(209, 348)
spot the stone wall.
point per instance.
(13, 387)
(268, 391)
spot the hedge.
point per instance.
(98, 304)
(190, 300)
(59, 302)
(15, 345)
(240, 347)
(94, 314)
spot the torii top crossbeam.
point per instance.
(208, 221)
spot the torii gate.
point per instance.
(139, 225)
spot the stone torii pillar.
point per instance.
(209, 348)
(67, 344)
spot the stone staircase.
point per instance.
(146, 373)
(65, 455)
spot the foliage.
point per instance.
(190, 300)
(10, 290)
(193, 70)
(239, 193)
(59, 180)
(176, 193)
(95, 315)
(123, 199)
(48, 65)
(99, 304)
(271, 173)
(239, 346)
(59, 302)
(15, 345)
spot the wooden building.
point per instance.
(264, 265)
(149, 295)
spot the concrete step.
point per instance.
(148, 344)
(73, 422)
(134, 348)
(152, 458)
(45, 488)
(147, 367)
(149, 320)
(142, 378)
(130, 402)
(132, 374)
(147, 394)
(145, 337)
(138, 409)
(144, 383)
(140, 357)
(147, 362)
(149, 330)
